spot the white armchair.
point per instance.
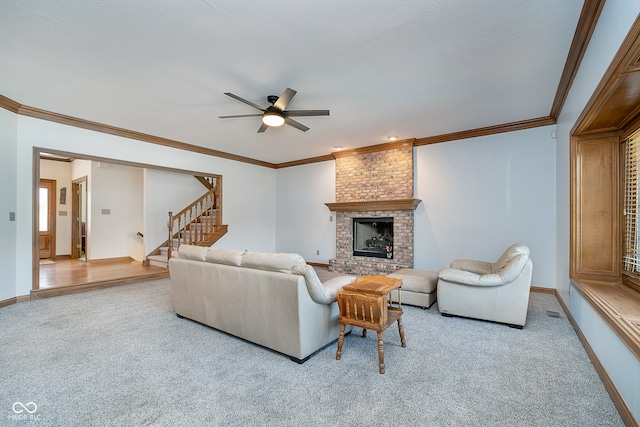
(498, 292)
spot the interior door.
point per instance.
(47, 218)
(79, 218)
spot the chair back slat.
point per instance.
(365, 308)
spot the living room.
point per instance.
(478, 195)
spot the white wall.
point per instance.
(480, 195)
(184, 190)
(304, 223)
(61, 173)
(8, 203)
(621, 365)
(249, 192)
(116, 212)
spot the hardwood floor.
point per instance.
(64, 276)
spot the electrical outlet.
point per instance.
(12, 216)
(318, 252)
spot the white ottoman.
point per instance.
(418, 287)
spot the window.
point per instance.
(631, 243)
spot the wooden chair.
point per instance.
(368, 311)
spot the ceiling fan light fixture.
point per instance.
(272, 119)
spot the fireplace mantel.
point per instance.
(375, 205)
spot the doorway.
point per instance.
(47, 218)
(79, 219)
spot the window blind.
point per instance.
(631, 250)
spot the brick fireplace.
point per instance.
(374, 183)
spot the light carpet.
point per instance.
(121, 357)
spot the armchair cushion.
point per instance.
(482, 273)
(470, 278)
(478, 267)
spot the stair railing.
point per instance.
(196, 222)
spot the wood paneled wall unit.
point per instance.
(611, 114)
(595, 208)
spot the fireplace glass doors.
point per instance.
(373, 237)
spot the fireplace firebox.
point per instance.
(373, 237)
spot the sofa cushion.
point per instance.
(225, 256)
(197, 253)
(282, 262)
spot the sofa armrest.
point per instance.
(468, 278)
(478, 267)
(335, 284)
(321, 293)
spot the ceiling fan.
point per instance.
(277, 114)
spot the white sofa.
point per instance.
(272, 299)
(498, 291)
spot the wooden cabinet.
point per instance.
(595, 208)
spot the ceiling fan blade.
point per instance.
(300, 113)
(240, 115)
(284, 99)
(295, 124)
(244, 101)
(262, 128)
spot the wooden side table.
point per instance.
(367, 304)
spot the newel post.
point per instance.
(170, 226)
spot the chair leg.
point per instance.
(364, 333)
(381, 352)
(401, 331)
(340, 341)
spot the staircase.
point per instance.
(198, 224)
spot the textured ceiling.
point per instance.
(411, 69)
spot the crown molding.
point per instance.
(9, 104)
(489, 130)
(375, 205)
(375, 148)
(139, 136)
(584, 30)
(326, 158)
(38, 113)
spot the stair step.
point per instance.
(158, 261)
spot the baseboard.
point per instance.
(8, 302)
(14, 300)
(551, 291)
(318, 264)
(111, 260)
(616, 398)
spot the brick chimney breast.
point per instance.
(384, 176)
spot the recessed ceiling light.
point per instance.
(392, 138)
